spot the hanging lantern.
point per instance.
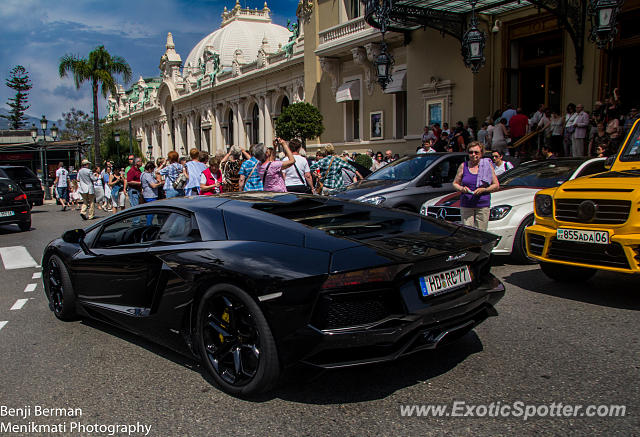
(473, 43)
(383, 64)
(604, 15)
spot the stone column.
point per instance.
(266, 118)
(261, 128)
(216, 130)
(190, 134)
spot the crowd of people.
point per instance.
(546, 132)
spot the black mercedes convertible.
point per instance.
(251, 283)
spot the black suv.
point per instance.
(13, 205)
(26, 179)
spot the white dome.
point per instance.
(243, 29)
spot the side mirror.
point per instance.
(609, 162)
(74, 236)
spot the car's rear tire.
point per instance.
(25, 226)
(565, 273)
(58, 288)
(519, 252)
(235, 342)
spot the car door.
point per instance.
(438, 180)
(118, 275)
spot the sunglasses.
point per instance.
(474, 152)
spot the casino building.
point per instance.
(235, 82)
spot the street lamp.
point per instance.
(45, 168)
(473, 43)
(604, 14)
(116, 136)
(54, 132)
(149, 150)
(383, 64)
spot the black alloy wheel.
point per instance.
(59, 289)
(235, 341)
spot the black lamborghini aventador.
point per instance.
(252, 283)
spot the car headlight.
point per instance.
(499, 212)
(375, 200)
(423, 210)
(544, 205)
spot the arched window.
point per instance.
(230, 128)
(255, 125)
(284, 103)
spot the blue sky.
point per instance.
(36, 33)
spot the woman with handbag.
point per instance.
(297, 178)
(174, 174)
(270, 170)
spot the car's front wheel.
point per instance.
(565, 273)
(57, 285)
(235, 342)
(519, 252)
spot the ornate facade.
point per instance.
(232, 86)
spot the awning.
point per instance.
(348, 91)
(398, 82)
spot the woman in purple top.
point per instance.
(270, 170)
(475, 180)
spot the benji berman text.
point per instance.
(39, 411)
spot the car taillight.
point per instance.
(358, 277)
(20, 197)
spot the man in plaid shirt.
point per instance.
(249, 177)
(331, 171)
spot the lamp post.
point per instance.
(604, 15)
(116, 136)
(149, 150)
(473, 43)
(130, 130)
(34, 136)
(45, 169)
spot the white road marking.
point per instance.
(37, 275)
(16, 257)
(3, 323)
(19, 304)
(29, 288)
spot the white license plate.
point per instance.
(443, 281)
(582, 236)
(6, 213)
(28, 185)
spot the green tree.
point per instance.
(19, 81)
(77, 125)
(364, 160)
(110, 149)
(300, 120)
(99, 69)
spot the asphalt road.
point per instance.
(569, 344)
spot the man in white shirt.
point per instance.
(62, 185)
(86, 190)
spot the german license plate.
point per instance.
(443, 281)
(6, 213)
(583, 236)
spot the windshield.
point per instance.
(544, 174)
(404, 169)
(17, 173)
(632, 150)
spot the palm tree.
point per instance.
(99, 69)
